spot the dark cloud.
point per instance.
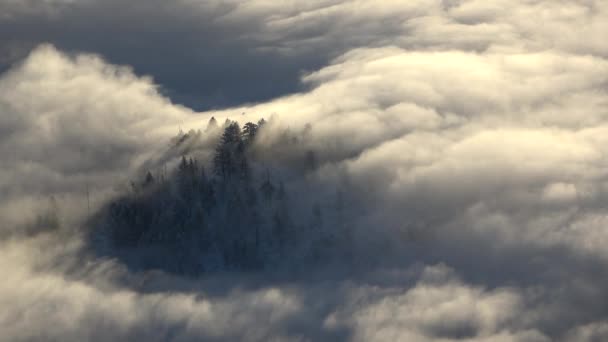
(201, 56)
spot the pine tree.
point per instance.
(224, 160)
(249, 132)
(311, 160)
(267, 189)
(212, 125)
(149, 180)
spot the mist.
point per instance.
(451, 152)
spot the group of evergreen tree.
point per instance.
(193, 222)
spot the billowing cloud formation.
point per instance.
(471, 134)
(218, 53)
(436, 306)
(72, 121)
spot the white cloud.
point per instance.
(73, 122)
(470, 132)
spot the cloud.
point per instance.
(468, 138)
(212, 54)
(42, 305)
(47, 306)
(71, 122)
(200, 56)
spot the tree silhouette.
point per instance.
(236, 218)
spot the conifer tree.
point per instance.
(249, 132)
(224, 160)
(211, 125)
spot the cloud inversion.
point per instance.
(469, 138)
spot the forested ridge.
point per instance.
(231, 214)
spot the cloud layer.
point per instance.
(468, 137)
(219, 53)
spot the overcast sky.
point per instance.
(472, 133)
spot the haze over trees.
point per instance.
(232, 214)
